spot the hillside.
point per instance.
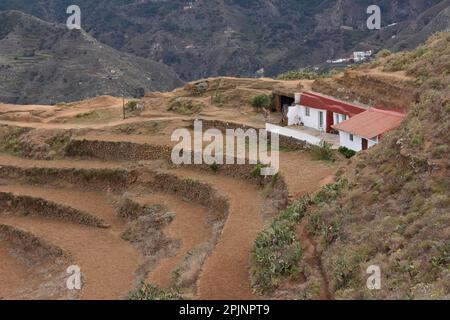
(394, 212)
(238, 38)
(43, 62)
(390, 205)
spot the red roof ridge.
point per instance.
(390, 112)
(321, 95)
(371, 123)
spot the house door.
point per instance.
(320, 120)
(364, 144)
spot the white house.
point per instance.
(320, 112)
(364, 130)
(315, 117)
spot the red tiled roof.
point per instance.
(371, 123)
(318, 101)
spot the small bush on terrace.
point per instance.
(276, 252)
(256, 170)
(185, 107)
(384, 53)
(330, 192)
(133, 107)
(323, 152)
(260, 101)
(153, 292)
(305, 75)
(347, 152)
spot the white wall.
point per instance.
(355, 145)
(338, 118)
(294, 115)
(373, 143)
(313, 120)
(296, 134)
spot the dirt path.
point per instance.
(189, 226)
(68, 126)
(311, 257)
(107, 262)
(12, 273)
(303, 175)
(9, 160)
(398, 75)
(92, 202)
(226, 273)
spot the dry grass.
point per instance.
(395, 211)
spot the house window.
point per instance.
(336, 118)
(307, 111)
(344, 117)
(351, 137)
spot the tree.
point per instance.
(260, 101)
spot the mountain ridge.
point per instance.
(44, 62)
(238, 38)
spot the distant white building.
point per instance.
(359, 56)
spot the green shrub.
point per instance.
(343, 272)
(327, 229)
(323, 152)
(89, 114)
(185, 107)
(214, 167)
(348, 153)
(218, 98)
(384, 53)
(131, 105)
(153, 292)
(305, 75)
(261, 101)
(276, 252)
(330, 192)
(256, 170)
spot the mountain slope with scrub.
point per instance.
(240, 37)
(390, 206)
(42, 62)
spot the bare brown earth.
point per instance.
(12, 273)
(302, 174)
(189, 226)
(225, 274)
(108, 263)
(388, 90)
(6, 159)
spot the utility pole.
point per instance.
(123, 105)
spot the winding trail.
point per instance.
(69, 126)
(9, 160)
(189, 226)
(226, 273)
(311, 257)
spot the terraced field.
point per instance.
(110, 202)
